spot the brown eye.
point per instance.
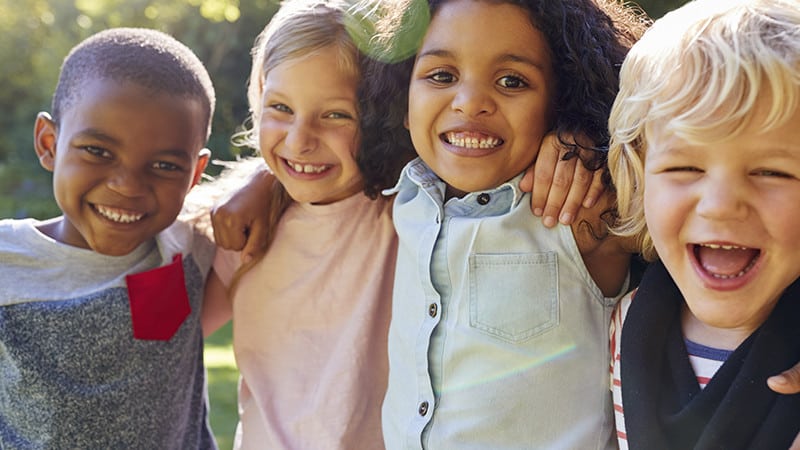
(512, 82)
(442, 77)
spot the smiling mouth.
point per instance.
(471, 140)
(726, 261)
(306, 168)
(118, 215)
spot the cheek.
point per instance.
(416, 120)
(663, 217)
(269, 133)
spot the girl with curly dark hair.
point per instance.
(500, 325)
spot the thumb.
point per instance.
(256, 243)
(787, 382)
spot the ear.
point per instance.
(202, 162)
(45, 137)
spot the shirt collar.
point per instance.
(501, 198)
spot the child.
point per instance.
(706, 157)
(99, 308)
(499, 334)
(310, 316)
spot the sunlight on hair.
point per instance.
(388, 30)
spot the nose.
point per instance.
(301, 136)
(473, 99)
(127, 182)
(722, 201)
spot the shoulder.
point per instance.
(182, 237)
(21, 236)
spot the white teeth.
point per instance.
(724, 247)
(118, 216)
(472, 142)
(735, 275)
(306, 168)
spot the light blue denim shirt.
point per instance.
(499, 336)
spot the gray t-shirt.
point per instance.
(72, 374)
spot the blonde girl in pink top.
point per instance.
(311, 314)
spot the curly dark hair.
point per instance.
(385, 142)
(588, 39)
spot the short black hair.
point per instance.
(149, 58)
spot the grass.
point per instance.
(223, 378)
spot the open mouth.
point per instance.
(118, 215)
(306, 168)
(471, 140)
(725, 261)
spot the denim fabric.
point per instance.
(499, 336)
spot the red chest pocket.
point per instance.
(159, 301)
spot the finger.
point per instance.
(256, 242)
(559, 189)
(787, 382)
(581, 181)
(596, 189)
(526, 184)
(546, 162)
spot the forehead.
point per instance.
(485, 29)
(322, 71)
(128, 112)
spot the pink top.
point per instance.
(310, 324)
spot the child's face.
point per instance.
(123, 160)
(480, 94)
(309, 131)
(725, 221)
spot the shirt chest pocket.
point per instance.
(513, 296)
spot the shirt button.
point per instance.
(483, 199)
(423, 408)
(433, 309)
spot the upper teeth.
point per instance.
(472, 142)
(724, 247)
(118, 215)
(306, 168)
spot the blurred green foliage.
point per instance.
(37, 34)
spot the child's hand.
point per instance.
(560, 188)
(239, 221)
(787, 382)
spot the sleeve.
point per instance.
(226, 262)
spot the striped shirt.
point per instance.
(705, 362)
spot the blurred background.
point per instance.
(35, 37)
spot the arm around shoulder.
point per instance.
(607, 257)
(217, 307)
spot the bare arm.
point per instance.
(217, 308)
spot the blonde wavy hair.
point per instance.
(698, 75)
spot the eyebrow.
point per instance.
(96, 134)
(101, 136)
(281, 96)
(505, 57)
